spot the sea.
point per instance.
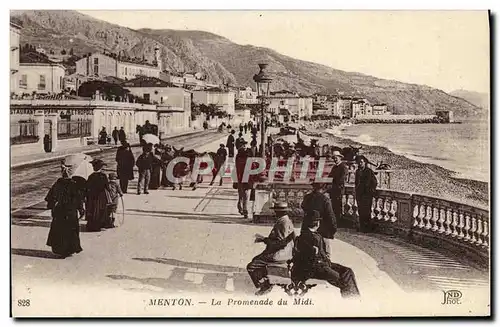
(462, 148)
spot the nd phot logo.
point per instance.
(452, 297)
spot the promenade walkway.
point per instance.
(194, 244)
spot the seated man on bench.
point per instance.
(310, 260)
(279, 248)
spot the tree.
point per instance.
(63, 52)
(71, 52)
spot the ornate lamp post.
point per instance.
(263, 80)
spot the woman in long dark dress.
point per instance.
(65, 198)
(97, 201)
(125, 165)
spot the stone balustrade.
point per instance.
(428, 221)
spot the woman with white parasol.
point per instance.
(66, 198)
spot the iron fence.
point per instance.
(73, 129)
(23, 132)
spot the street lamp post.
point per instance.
(263, 80)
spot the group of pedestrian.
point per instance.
(117, 135)
(309, 254)
(72, 197)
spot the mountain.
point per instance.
(481, 100)
(224, 61)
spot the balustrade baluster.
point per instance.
(428, 217)
(435, 219)
(485, 234)
(473, 230)
(442, 220)
(421, 216)
(449, 221)
(376, 209)
(416, 210)
(461, 225)
(387, 208)
(454, 224)
(468, 227)
(479, 231)
(392, 212)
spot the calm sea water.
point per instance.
(462, 148)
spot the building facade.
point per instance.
(282, 101)
(379, 109)
(15, 34)
(216, 96)
(40, 78)
(246, 96)
(102, 65)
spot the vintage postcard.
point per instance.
(250, 163)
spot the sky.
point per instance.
(448, 50)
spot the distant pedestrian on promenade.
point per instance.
(230, 144)
(145, 165)
(125, 162)
(245, 127)
(239, 141)
(103, 136)
(220, 159)
(242, 186)
(121, 135)
(338, 174)
(241, 128)
(317, 201)
(97, 197)
(65, 199)
(155, 179)
(114, 134)
(115, 192)
(365, 189)
(279, 248)
(310, 260)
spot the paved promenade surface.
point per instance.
(194, 245)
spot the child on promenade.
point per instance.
(115, 191)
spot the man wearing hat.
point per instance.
(242, 185)
(365, 188)
(279, 248)
(318, 201)
(230, 144)
(310, 259)
(338, 174)
(220, 158)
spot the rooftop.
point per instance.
(144, 81)
(36, 58)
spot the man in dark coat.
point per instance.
(279, 248)
(125, 165)
(230, 144)
(114, 134)
(338, 174)
(310, 260)
(145, 165)
(365, 188)
(243, 186)
(219, 161)
(121, 135)
(318, 201)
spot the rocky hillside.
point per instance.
(481, 100)
(224, 61)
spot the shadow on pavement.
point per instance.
(35, 253)
(408, 277)
(210, 282)
(225, 219)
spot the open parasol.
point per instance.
(79, 165)
(151, 138)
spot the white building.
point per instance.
(246, 96)
(102, 65)
(15, 34)
(37, 74)
(286, 102)
(221, 98)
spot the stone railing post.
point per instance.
(40, 119)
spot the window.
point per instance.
(96, 61)
(126, 71)
(41, 85)
(146, 97)
(61, 82)
(23, 82)
(96, 69)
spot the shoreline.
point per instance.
(417, 177)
